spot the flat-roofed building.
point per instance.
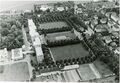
(3, 55)
(17, 54)
(39, 54)
(36, 40)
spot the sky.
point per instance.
(24, 4)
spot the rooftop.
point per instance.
(3, 54)
(17, 53)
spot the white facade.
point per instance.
(60, 8)
(45, 7)
(17, 54)
(39, 54)
(3, 55)
(36, 40)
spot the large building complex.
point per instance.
(64, 42)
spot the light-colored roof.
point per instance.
(115, 17)
(3, 54)
(32, 28)
(37, 41)
(94, 22)
(60, 8)
(17, 53)
(33, 33)
(45, 7)
(100, 28)
(38, 51)
(31, 24)
(107, 39)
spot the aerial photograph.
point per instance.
(59, 41)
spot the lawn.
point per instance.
(54, 36)
(14, 72)
(69, 51)
(102, 68)
(85, 72)
(51, 25)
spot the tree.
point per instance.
(13, 28)
(4, 32)
(18, 24)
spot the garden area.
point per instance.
(60, 36)
(69, 52)
(14, 72)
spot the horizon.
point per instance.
(20, 5)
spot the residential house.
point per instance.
(17, 54)
(110, 23)
(114, 17)
(113, 44)
(3, 55)
(107, 39)
(93, 23)
(60, 8)
(115, 27)
(100, 28)
(103, 20)
(115, 34)
(117, 50)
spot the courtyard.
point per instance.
(69, 52)
(14, 72)
(60, 35)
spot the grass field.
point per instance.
(102, 68)
(67, 34)
(15, 72)
(69, 51)
(85, 72)
(51, 25)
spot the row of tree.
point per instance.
(63, 42)
(66, 62)
(51, 19)
(47, 56)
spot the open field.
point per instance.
(14, 72)
(85, 72)
(69, 51)
(54, 36)
(51, 25)
(102, 68)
